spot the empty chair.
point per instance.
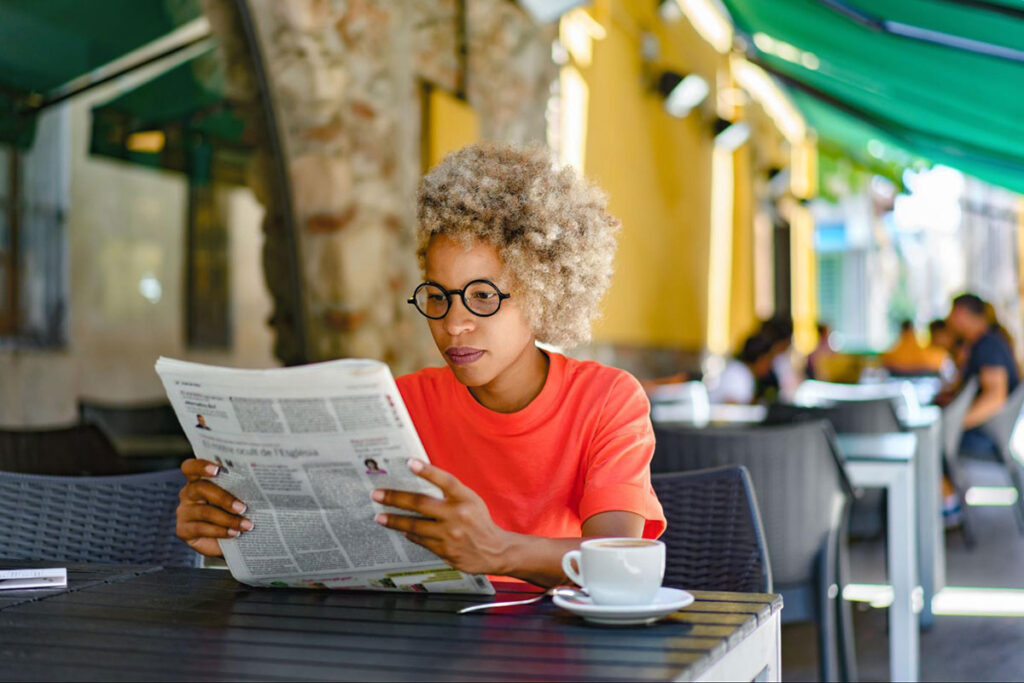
(75, 450)
(902, 394)
(851, 416)
(1000, 428)
(139, 419)
(803, 496)
(126, 519)
(952, 431)
(864, 416)
(714, 539)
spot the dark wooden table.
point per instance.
(122, 622)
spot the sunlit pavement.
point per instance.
(956, 648)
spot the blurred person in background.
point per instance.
(782, 382)
(997, 327)
(908, 357)
(989, 357)
(821, 354)
(943, 338)
(742, 380)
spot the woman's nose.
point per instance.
(459, 319)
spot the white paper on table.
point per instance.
(21, 579)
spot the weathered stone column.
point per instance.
(343, 77)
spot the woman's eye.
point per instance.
(483, 296)
(435, 298)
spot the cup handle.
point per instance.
(567, 559)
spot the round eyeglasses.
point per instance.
(480, 297)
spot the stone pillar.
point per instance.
(343, 77)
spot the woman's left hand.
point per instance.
(459, 528)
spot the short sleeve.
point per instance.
(618, 464)
(990, 352)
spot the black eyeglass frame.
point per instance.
(448, 293)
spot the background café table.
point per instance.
(199, 624)
(887, 461)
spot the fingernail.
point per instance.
(246, 524)
(381, 519)
(238, 506)
(211, 470)
(232, 532)
(378, 496)
(416, 465)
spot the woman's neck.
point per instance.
(517, 385)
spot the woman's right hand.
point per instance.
(206, 511)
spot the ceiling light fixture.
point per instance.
(669, 10)
(682, 93)
(771, 96)
(711, 20)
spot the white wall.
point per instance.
(127, 222)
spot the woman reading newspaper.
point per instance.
(533, 451)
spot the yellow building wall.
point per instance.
(742, 317)
(450, 124)
(656, 172)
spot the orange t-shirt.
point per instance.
(581, 447)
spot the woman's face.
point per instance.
(478, 350)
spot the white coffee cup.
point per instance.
(618, 571)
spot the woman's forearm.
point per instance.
(538, 559)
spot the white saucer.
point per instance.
(667, 601)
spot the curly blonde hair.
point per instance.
(550, 227)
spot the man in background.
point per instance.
(990, 359)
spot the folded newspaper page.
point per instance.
(303, 448)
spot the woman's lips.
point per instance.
(463, 355)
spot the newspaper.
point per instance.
(303, 448)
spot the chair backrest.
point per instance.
(872, 416)
(684, 402)
(953, 419)
(68, 451)
(141, 419)
(714, 539)
(126, 519)
(796, 471)
(902, 393)
(1000, 426)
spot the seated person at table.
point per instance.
(990, 359)
(907, 357)
(823, 353)
(534, 451)
(943, 339)
(739, 382)
(781, 382)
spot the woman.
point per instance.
(533, 451)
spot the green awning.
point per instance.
(196, 127)
(48, 43)
(857, 84)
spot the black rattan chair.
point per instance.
(714, 539)
(851, 416)
(66, 451)
(804, 497)
(138, 419)
(127, 519)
